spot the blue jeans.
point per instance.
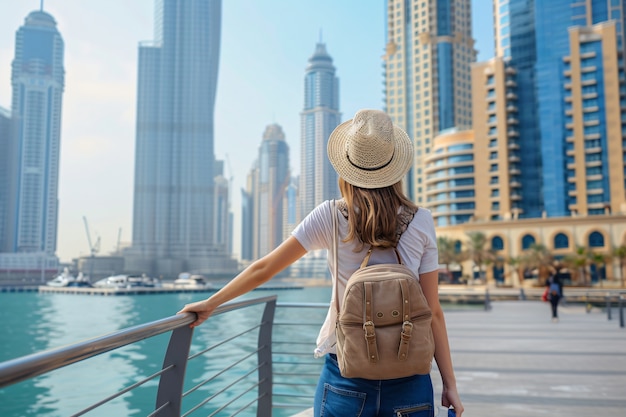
(337, 396)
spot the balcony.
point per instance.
(514, 158)
(513, 145)
(514, 171)
(511, 96)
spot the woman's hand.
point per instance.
(450, 397)
(203, 309)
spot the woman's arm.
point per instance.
(250, 278)
(450, 396)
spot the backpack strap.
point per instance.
(333, 214)
(405, 218)
(368, 327)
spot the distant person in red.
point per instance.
(554, 285)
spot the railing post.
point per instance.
(608, 306)
(621, 310)
(264, 406)
(522, 294)
(169, 395)
(487, 300)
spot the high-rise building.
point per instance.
(174, 196)
(272, 178)
(427, 74)
(564, 103)
(320, 116)
(37, 78)
(6, 160)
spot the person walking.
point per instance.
(371, 157)
(554, 285)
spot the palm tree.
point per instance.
(598, 260)
(620, 254)
(579, 260)
(538, 256)
(447, 252)
(515, 262)
(478, 251)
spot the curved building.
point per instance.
(174, 195)
(450, 184)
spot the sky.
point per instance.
(265, 47)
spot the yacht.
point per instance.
(66, 279)
(187, 280)
(127, 281)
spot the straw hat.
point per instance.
(369, 151)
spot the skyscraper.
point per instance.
(37, 78)
(320, 116)
(427, 73)
(272, 179)
(568, 95)
(6, 157)
(174, 195)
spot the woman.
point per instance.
(554, 287)
(371, 156)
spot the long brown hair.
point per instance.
(373, 213)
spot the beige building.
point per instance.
(427, 74)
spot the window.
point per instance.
(497, 243)
(527, 241)
(596, 240)
(561, 241)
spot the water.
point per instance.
(32, 322)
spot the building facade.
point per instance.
(174, 210)
(37, 78)
(427, 74)
(272, 179)
(6, 162)
(319, 117)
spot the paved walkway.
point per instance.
(513, 361)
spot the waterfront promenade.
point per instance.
(513, 361)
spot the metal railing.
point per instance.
(609, 297)
(241, 384)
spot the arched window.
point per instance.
(497, 243)
(561, 241)
(527, 240)
(596, 240)
(457, 246)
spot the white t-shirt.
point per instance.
(417, 248)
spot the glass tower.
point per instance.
(427, 74)
(174, 193)
(320, 116)
(568, 60)
(37, 78)
(271, 181)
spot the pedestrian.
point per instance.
(370, 156)
(554, 286)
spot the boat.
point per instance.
(128, 281)
(193, 281)
(66, 279)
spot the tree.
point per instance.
(515, 262)
(447, 253)
(620, 254)
(478, 252)
(579, 260)
(537, 256)
(598, 260)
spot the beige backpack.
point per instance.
(384, 326)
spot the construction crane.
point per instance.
(93, 248)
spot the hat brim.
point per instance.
(383, 177)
